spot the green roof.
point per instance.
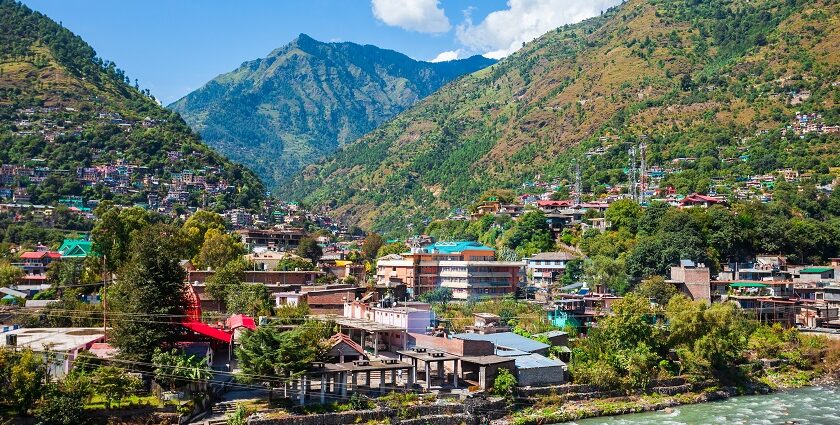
(816, 270)
(747, 285)
(75, 248)
(457, 247)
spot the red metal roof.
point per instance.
(241, 321)
(547, 203)
(36, 255)
(208, 330)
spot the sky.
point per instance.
(175, 46)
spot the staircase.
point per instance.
(218, 413)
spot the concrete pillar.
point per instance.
(455, 373)
(323, 388)
(353, 380)
(367, 379)
(302, 394)
(375, 344)
(381, 382)
(439, 367)
(411, 378)
(394, 377)
(428, 377)
(343, 384)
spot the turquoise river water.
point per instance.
(811, 405)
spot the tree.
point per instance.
(226, 280)
(529, 235)
(293, 262)
(217, 250)
(607, 273)
(657, 290)
(278, 356)
(25, 373)
(113, 384)
(175, 369)
(114, 229)
(150, 285)
(193, 230)
(371, 245)
(63, 403)
(9, 275)
(391, 248)
(309, 248)
(249, 299)
(505, 384)
(624, 214)
(573, 272)
(440, 295)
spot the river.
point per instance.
(810, 405)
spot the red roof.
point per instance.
(208, 330)
(340, 337)
(241, 321)
(697, 198)
(564, 203)
(37, 255)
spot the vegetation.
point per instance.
(713, 81)
(269, 355)
(303, 119)
(44, 65)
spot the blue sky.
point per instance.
(174, 47)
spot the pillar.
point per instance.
(323, 388)
(302, 394)
(367, 379)
(411, 378)
(428, 377)
(343, 384)
(375, 344)
(381, 382)
(394, 377)
(353, 380)
(439, 367)
(455, 373)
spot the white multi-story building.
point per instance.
(544, 268)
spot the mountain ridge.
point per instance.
(303, 100)
(693, 78)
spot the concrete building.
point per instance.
(470, 269)
(63, 343)
(545, 268)
(283, 239)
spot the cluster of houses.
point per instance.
(813, 123)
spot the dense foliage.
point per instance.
(711, 85)
(48, 70)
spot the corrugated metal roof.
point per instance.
(506, 339)
(536, 361)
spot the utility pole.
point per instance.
(631, 172)
(643, 171)
(578, 186)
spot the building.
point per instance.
(75, 248)
(545, 268)
(283, 239)
(470, 269)
(62, 343)
(693, 280)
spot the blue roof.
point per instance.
(536, 361)
(506, 339)
(455, 247)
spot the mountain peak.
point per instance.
(296, 110)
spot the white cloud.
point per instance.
(449, 55)
(502, 32)
(413, 15)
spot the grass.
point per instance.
(98, 402)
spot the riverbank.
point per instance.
(548, 408)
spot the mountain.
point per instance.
(71, 125)
(711, 86)
(304, 100)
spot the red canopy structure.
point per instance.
(208, 330)
(241, 321)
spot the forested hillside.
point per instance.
(716, 82)
(73, 124)
(300, 103)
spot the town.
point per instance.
(450, 313)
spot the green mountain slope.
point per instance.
(282, 112)
(714, 80)
(62, 109)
